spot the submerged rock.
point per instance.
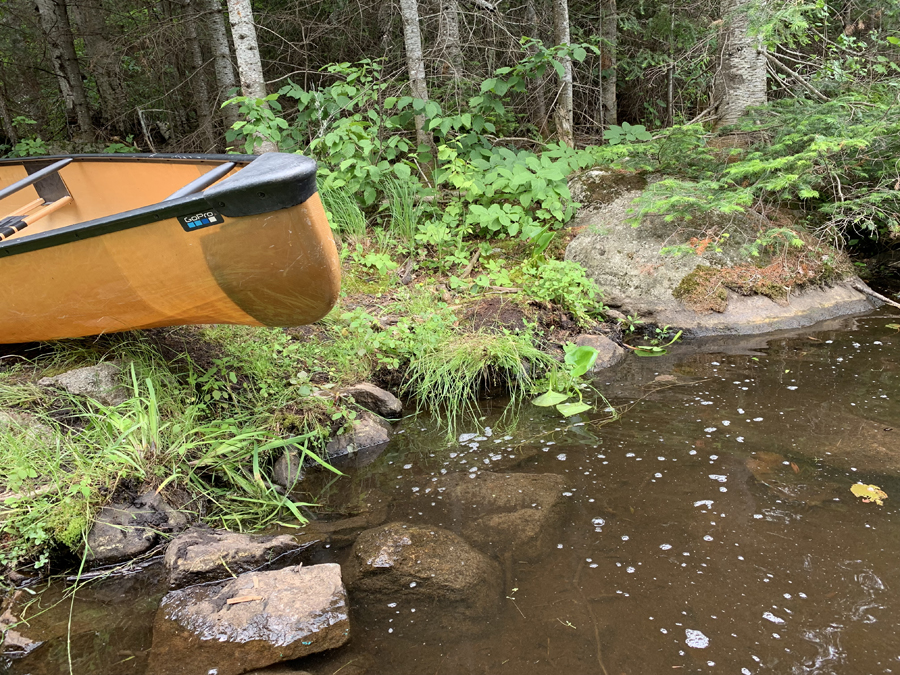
(14, 644)
(375, 399)
(626, 263)
(500, 513)
(122, 531)
(428, 566)
(102, 383)
(253, 621)
(608, 352)
(200, 555)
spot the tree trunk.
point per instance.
(202, 102)
(740, 81)
(563, 112)
(90, 16)
(412, 39)
(218, 38)
(609, 33)
(448, 40)
(246, 51)
(8, 129)
(55, 22)
(537, 85)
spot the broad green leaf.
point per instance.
(402, 171)
(551, 398)
(569, 409)
(581, 360)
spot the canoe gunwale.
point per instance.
(266, 183)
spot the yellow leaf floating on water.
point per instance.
(869, 493)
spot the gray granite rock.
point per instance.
(124, 530)
(102, 383)
(288, 469)
(608, 352)
(375, 399)
(199, 554)
(362, 444)
(626, 263)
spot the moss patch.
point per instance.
(776, 275)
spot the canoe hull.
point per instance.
(278, 268)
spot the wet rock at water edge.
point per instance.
(427, 568)
(627, 264)
(362, 444)
(200, 554)
(288, 469)
(14, 644)
(250, 622)
(122, 531)
(500, 513)
(608, 352)
(375, 399)
(102, 383)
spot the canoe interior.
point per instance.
(100, 187)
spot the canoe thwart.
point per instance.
(202, 182)
(35, 177)
(48, 209)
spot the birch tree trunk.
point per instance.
(90, 17)
(246, 51)
(61, 42)
(609, 32)
(218, 38)
(412, 40)
(563, 112)
(740, 81)
(448, 39)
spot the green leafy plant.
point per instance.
(626, 133)
(565, 284)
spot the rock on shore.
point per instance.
(252, 621)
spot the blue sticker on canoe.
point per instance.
(198, 221)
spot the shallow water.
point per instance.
(710, 529)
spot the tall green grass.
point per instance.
(344, 214)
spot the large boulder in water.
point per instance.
(626, 263)
(427, 568)
(498, 513)
(249, 622)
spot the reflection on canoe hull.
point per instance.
(273, 268)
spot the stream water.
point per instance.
(710, 529)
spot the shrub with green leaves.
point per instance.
(565, 283)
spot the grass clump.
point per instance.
(454, 371)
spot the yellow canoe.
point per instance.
(93, 244)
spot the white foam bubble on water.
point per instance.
(771, 617)
(696, 639)
(718, 477)
(665, 547)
